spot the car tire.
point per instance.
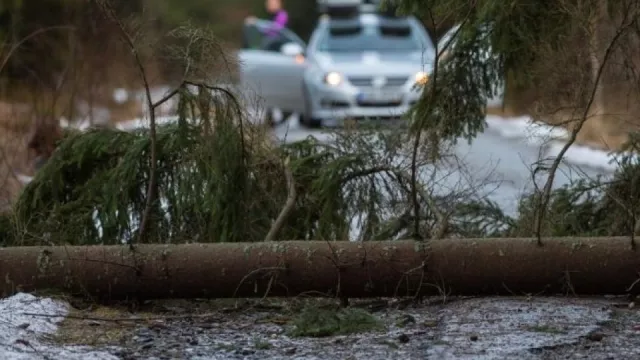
(267, 118)
(306, 119)
(309, 122)
(285, 116)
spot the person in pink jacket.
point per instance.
(280, 17)
(279, 21)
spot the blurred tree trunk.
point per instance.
(597, 48)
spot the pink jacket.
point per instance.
(279, 21)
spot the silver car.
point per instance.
(356, 66)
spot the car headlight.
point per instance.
(333, 78)
(421, 78)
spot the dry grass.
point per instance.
(73, 330)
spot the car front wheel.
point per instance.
(272, 117)
(305, 118)
(313, 123)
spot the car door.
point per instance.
(275, 77)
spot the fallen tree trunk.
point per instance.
(350, 269)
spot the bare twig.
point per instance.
(108, 11)
(288, 206)
(442, 219)
(236, 105)
(546, 192)
(633, 284)
(15, 46)
(267, 269)
(433, 84)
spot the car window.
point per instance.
(256, 37)
(484, 31)
(367, 36)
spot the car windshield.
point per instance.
(370, 37)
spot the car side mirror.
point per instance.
(291, 49)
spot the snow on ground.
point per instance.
(26, 320)
(538, 134)
(139, 123)
(476, 328)
(120, 95)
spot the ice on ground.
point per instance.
(510, 328)
(25, 323)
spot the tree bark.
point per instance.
(351, 269)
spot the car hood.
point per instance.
(372, 63)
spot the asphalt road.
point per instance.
(499, 163)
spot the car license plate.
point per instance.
(379, 96)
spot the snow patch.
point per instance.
(81, 125)
(525, 128)
(120, 95)
(140, 123)
(24, 179)
(26, 320)
(554, 139)
(585, 156)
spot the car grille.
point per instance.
(367, 81)
(378, 103)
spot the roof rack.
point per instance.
(347, 8)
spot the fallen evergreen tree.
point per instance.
(222, 180)
(93, 190)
